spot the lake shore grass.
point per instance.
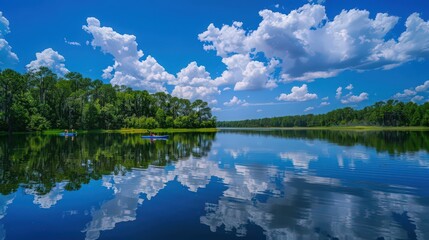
(135, 130)
(189, 130)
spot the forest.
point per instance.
(40, 100)
(384, 113)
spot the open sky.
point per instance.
(248, 59)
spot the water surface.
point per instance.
(235, 184)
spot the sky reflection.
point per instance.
(288, 188)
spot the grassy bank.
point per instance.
(185, 130)
(133, 130)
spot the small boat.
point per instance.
(156, 137)
(68, 134)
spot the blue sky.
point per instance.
(248, 59)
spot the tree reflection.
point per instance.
(39, 162)
(393, 142)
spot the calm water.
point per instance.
(234, 184)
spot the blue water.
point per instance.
(229, 185)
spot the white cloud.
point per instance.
(259, 110)
(355, 99)
(247, 74)
(7, 57)
(339, 92)
(71, 43)
(423, 87)
(412, 44)
(405, 94)
(216, 109)
(411, 93)
(308, 109)
(226, 40)
(194, 82)
(234, 102)
(322, 104)
(50, 59)
(226, 89)
(417, 98)
(298, 94)
(128, 69)
(302, 41)
(349, 87)
(325, 99)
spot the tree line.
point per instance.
(383, 113)
(40, 100)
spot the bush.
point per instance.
(38, 123)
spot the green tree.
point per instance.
(12, 88)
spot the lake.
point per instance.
(234, 184)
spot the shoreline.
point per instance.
(337, 128)
(208, 130)
(134, 130)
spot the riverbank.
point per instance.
(185, 130)
(134, 130)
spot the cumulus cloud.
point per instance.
(354, 99)
(417, 98)
(339, 92)
(127, 69)
(302, 42)
(349, 87)
(298, 94)
(226, 40)
(247, 74)
(7, 57)
(423, 87)
(235, 101)
(412, 92)
(406, 93)
(308, 109)
(194, 82)
(50, 59)
(322, 104)
(71, 43)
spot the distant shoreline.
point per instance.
(337, 128)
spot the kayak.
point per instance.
(156, 137)
(68, 134)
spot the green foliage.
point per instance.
(40, 99)
(38, 123)
(390, 113)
